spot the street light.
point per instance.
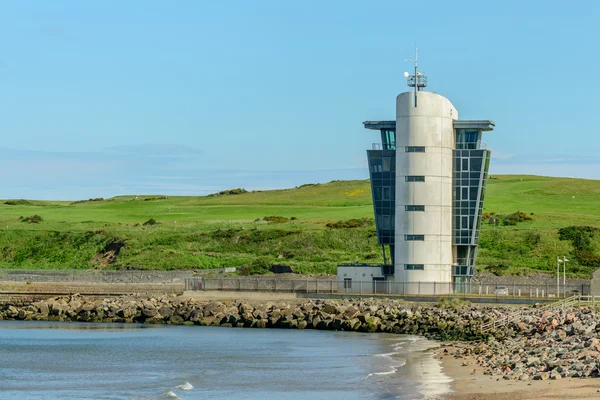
(558, 261)
(565, 274)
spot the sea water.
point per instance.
(54, 360)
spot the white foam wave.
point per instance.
(185, 386)
(171, 395)
(393, 370)
(387, 355)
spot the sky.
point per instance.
(99, 99)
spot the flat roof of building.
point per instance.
(377, 125)
(483, 124)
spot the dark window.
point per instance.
(347, 283)
(465, 164)
(387, 164)
(387, 193)
(465, 193)
(414, 237)
(414, 208)
(415, 149)
(464, 222)
(414, 267)
(414, 178)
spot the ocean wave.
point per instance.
(393, 369)
(171, 395)
(185, 386)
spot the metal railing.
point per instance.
(464, 290)
(566, 303)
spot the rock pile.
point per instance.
(370, 315)
(540, 346)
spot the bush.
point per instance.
(34, 219)
(293, 219)
(275, 219)
(229, 192)
(88, 200)
(452, 303)
(20, 202)
(156, 198)
(260, 266)
(151, 221)
(498, 269)
(350, 223)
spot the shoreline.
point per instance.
(470, 383)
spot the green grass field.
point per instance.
(221, 231)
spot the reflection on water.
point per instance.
(50, 360)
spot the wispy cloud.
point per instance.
(181, 170)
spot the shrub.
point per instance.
(151, 221)
(275, 219)
(308, 185)
(293, 219)
(452, 303)
(498, 269)
(350, 223)
(259, 266)
(88, 200)
(229, 192)
(34, 219)
(20, 202)
(156, 198)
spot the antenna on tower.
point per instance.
(418, 80)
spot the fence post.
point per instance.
(434, 288)
(546, 289)
(331, 282)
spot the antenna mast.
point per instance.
(418, 80)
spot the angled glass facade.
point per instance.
(382, 171)
(470, 170)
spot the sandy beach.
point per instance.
(469, 383)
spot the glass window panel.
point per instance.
(386, 164)
(414, 237)
(464, 164)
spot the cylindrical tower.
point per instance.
(423, 222)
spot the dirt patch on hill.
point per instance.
(108, 255)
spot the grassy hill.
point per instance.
(229, 230)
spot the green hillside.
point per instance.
(229, 230)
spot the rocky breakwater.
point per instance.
(369, 315)
(539, 346)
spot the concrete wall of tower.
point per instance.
(429, 125)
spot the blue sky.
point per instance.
(191, 97)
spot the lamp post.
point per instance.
(565, 274)
(558, 261)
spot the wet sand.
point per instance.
(469, 383)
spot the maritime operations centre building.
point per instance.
(428, 178)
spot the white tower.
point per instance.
(423, 243)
